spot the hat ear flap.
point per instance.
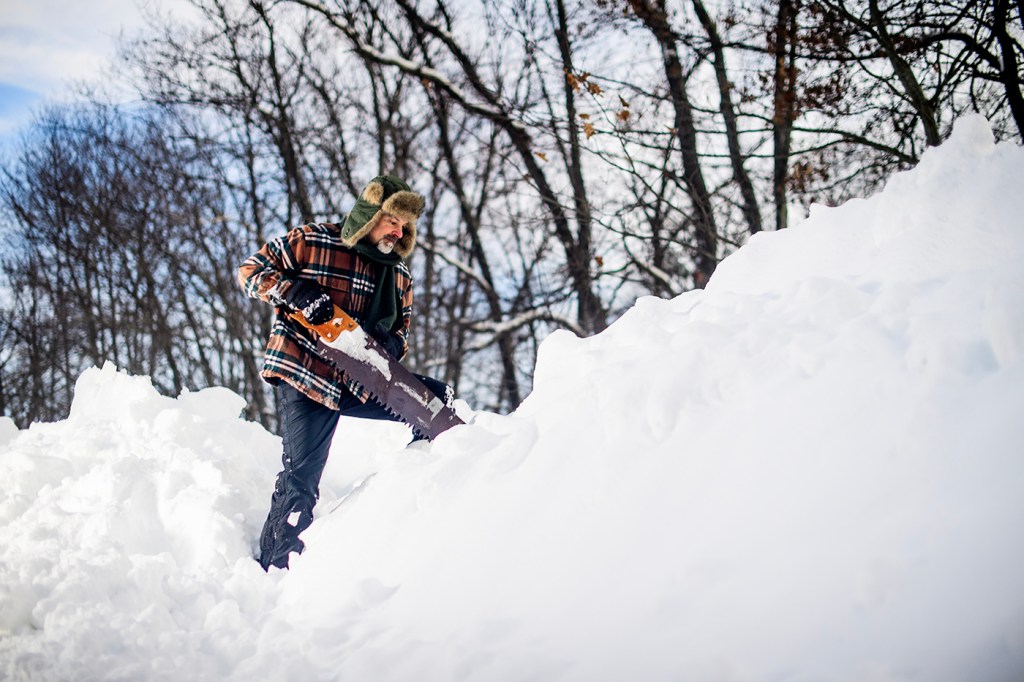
(374, 193)
(407, 243)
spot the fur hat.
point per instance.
(384, 194)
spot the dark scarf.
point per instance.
(386, 304)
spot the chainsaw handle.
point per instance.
(331, 329)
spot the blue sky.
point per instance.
(14, 99)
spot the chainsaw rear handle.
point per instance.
(331, 329)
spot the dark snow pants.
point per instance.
(306, 429)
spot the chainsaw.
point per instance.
(345, 345)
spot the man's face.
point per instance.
(386, 233)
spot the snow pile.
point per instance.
(127, 525)
(808, 471)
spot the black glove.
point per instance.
(311, 300)
(391, 343)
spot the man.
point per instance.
(360, 267)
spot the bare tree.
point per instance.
(493, 107)
(119, 258)
(653, 14)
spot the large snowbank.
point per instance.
(809, 471)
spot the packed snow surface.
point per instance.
(811, 470)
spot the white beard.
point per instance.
(385, 246)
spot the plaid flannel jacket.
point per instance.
(315, 252)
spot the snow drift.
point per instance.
(809, 471)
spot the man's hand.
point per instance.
(311, 300)
(391, 343)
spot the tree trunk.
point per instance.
(911, 86)
(653, 15)
(575, 165)
(1010, 75)
(750, 207)
(506, 347)
(785, 105)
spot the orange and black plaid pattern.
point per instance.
(315, 252)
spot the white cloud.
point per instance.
(44, 45)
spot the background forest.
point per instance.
(574, 154)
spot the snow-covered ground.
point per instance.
(812, 470)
